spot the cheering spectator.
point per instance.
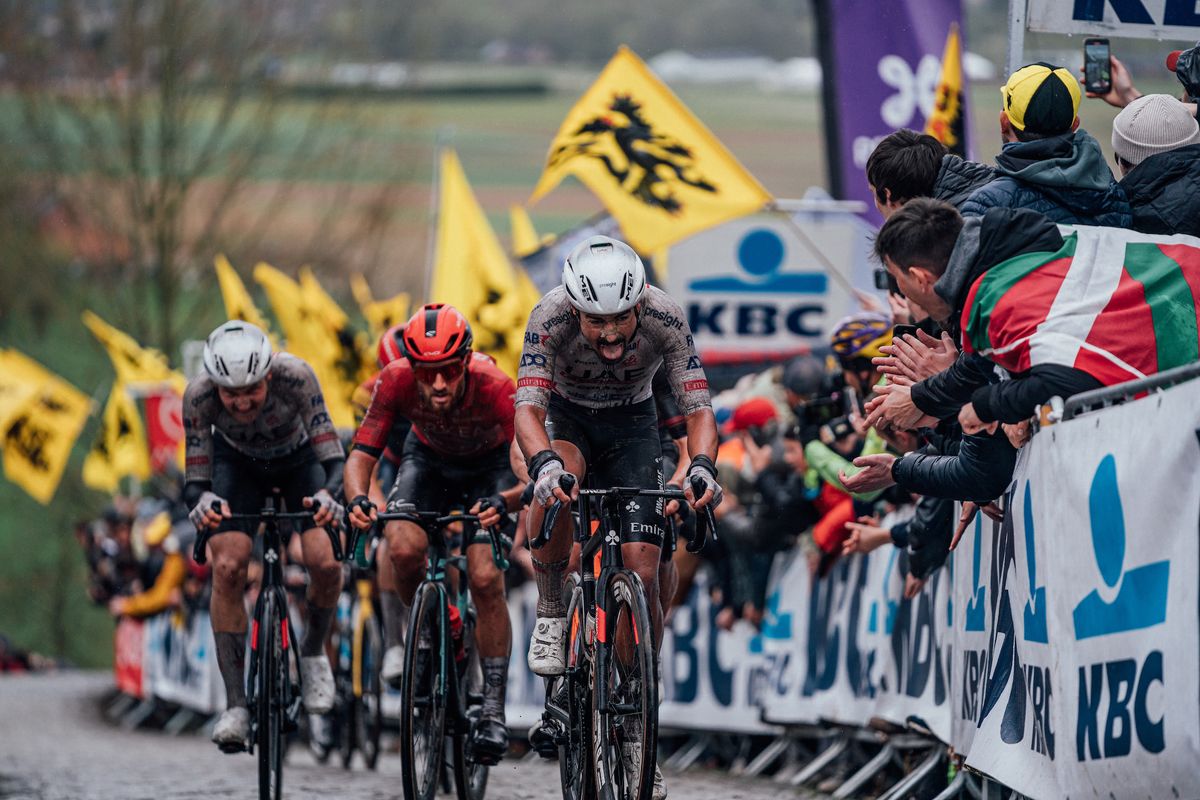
(907, 164)
(1048, 164)
(167, 566)
(1157, 147)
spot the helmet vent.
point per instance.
(589, 291)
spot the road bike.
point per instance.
(273, 685)
(441, 688)
(607, 698)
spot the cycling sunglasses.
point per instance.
(449, 370)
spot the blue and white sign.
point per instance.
(1144, 19)
(754, 287)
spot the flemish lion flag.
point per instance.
(657, 169)
(947, 122)
(39, 436)
(132, 362)
(380, 315)
(238, 303)
(20, 379)
(120, 448)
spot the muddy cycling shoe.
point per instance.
(393, 666)
(542, 738)
(631, 759)
(317, 678)
(548, 647)
(232, 731)
(489, 741)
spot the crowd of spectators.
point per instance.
(869, 442)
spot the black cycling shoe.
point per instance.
(489, 741)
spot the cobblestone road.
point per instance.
(55, 745)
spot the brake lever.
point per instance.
(493, 531)
(706, 524)
(567, 484)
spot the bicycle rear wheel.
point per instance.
(424, 695)
(272, 675)
(573, 690)
(470, 776)
(368, 706)
(626, 731)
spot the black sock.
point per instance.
(319, 620)
(231, 660)
(495, 681)
(395, 618)
(549, 579)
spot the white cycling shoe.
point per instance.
(548, 647)
(232, 731)
(317, 677)
(631, 759)
(393, 665)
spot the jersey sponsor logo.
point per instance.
(693, 362)
(533, 360)
(642, 527)
(540, 383)
(695, 386)
(324, 437)
(668, 320)
(556, 320)
(532, 338)
(196, 461)
(319, 419)
(316, 400)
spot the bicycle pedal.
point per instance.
(230, 748)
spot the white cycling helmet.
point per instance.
(603, 276)
(237, 354)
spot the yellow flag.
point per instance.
(657, 169)
(310, 321)
(120, 448)
(20, 379)
(525, 239)
(381, 315)
(947, 122)
(472, 272)
(238, 303)
(134, 364)
(38, 438)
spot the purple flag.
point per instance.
(882, 62)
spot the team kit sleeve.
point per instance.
(535, 375)
(372, 435)
(198, 401)
(681, 362)
(316, 417)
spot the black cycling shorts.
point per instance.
(246, 482)
(621, 448)
(432, 482)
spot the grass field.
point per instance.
(502, 144)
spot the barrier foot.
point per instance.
(822, 760)
(119, 706)
(767, 757)
(797, 756)
(914, 778)
(689, 754)
(868, 771)
(138, 715)
(179, 721)
(963, 784)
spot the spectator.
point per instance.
(1157, 147)
(1184, 63)
(164, 590)
(1048, 164)
(907, 164)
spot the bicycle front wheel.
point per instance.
(368, 712)
(470, 776)
(424, 695)
(269, 711)
(625, 729)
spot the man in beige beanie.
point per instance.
(1157, 146)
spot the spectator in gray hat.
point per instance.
(1157, 147)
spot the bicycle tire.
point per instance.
(423, 696)
(636, 686)
(368, 706)
(272, 666)
(470, 776)
(576, 771)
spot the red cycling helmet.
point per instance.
(391, 345)
(436, 333)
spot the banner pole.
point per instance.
(829, 105)
(1017, 17)
(835, 273)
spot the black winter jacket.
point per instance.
(1064, 177)
(980, 470)
(1164, 192)
(929, 533)
(957, 179)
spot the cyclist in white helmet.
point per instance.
(256, 420)
(584, 402)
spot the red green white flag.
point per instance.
(1116, 304)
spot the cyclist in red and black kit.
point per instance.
(461, 408)
(585, 405)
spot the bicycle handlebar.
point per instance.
(433, 520)
(270, 512)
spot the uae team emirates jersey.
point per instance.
(481, 422)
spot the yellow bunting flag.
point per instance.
(38, 437)
(658, 170)
(133, 363)
(238, 303)
(947, 122)
(120, 448)
(525, 239)
(380, 315)
(20, 379)
(472, 272)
